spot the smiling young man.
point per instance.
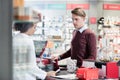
(83, 44)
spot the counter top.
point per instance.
(64, 72)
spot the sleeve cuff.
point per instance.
(59, 57)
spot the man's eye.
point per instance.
(76, 19)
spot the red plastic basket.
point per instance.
(87, 73)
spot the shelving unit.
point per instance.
(110, 38)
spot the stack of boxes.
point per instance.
(22, 13)
(18, 3)
(26, 14)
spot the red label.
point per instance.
(69, 6)
(111, 6)
(93, 20)
(83, 6)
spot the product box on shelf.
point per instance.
(18, 3)
(22, 13)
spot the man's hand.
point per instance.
(54, 58)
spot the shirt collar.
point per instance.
(23, 34)
(83, 28)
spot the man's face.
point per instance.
(78, 21)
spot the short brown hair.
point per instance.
(79, 12)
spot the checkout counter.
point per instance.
(110, 71)
(63, 75)
(107, 70)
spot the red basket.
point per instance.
(87, 73)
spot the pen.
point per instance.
(57, 70)
(55, 77)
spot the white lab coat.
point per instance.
(24, 59)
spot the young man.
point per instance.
(83, 44)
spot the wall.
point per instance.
(5, 40)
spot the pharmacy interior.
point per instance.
(53, 34)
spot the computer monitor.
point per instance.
(39, 47)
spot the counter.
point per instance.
(64, 72)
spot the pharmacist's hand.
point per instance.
(54, 58)
(51, 73)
